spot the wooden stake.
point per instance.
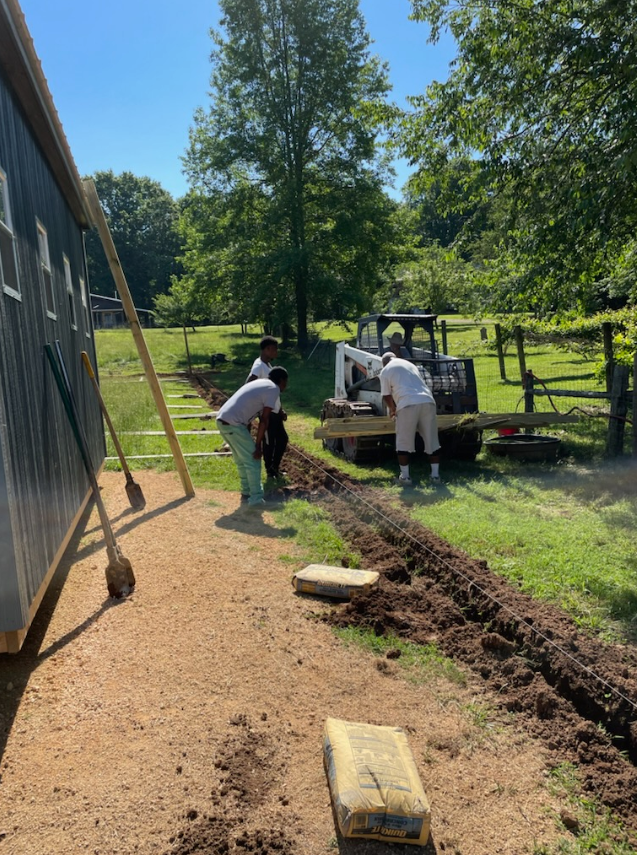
(149, 369)
(498, 345)
(618, 410)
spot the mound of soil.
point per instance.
(574, 692)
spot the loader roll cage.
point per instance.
(451, 379)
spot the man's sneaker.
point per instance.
(403, 482)
(435, 479)
(244, 498)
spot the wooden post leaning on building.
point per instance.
(609, 357)
(618, 411)
(97, 215)
(500, 351)
(443, 333)
(519, 342)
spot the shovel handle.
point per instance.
(111, 427)
(61, 381)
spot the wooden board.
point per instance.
(158, 456)
(204, 432)
(374, 425)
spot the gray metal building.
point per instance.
(44, 297)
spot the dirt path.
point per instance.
(188, 719)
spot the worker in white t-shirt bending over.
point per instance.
(410, 401)
(275, 440)
(258, 398)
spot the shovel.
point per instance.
(120, 579)
(133, 490)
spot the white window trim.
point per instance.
(8, 229)
(87, 317)
(45, 267)
(69, 290)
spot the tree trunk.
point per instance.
(301, 311)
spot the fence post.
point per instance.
(618, 410)
(609, 357)
(498, 346)
(519, 341)
(529, 404)
(634, 413)
(443, 333)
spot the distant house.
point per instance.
(43, 298)
(108, 313)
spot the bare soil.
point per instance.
(188, 718)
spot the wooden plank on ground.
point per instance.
(203, 432)
(159, 456)
(374, 425)
(212, 414)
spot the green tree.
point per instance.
(143, 219)
(291, 131)
(545, 93)
(448, 201)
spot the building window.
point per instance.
(69, 292)
(8, 254)
(87, 317)
(45, 271)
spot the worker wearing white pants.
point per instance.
(410, 401)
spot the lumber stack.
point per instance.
(374, 425)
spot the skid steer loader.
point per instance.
(357, 384)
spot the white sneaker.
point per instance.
(403, 482)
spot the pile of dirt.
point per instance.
(574, 692)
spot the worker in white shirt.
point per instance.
(275, 440)
(410, 401)
(258, 398)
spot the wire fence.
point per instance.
(558, 369)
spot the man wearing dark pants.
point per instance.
(410, 401)
(254, 399)
(275, 440)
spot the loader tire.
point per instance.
(361, 449)
(356, 449)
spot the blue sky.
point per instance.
(127, 75)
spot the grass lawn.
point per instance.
(561, 531)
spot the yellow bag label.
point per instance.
(374, 783)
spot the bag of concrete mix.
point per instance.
(374, 783)
(341, 582)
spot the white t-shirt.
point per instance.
(261, 370)
(248, 401)
(401, 379)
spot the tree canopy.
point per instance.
(287, 217)
(143, 219)
(544, 94)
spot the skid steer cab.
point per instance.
(357, 384)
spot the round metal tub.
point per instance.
(525, 446)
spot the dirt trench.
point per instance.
(576, 693)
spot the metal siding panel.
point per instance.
(10, 608)
(43, 468)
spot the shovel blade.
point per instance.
(135, 496)
(120, 579)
